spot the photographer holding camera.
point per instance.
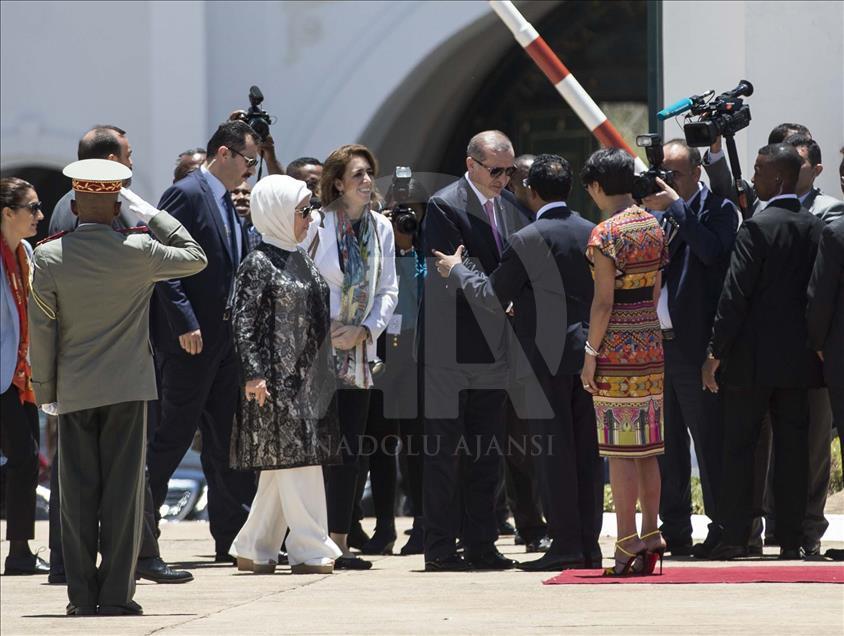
(395, 408)
(700, 228)
(259, 120)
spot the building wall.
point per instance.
(169, 71)
(796, 78)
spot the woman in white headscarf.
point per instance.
(287, 427)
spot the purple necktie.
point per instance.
(490, 214)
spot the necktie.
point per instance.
(233, 227)
(490, 215)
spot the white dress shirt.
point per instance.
(548, 206)
(483, 200)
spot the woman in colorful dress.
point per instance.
(623, 369)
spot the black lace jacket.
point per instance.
(282, 333)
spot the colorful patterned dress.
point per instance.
(629, 373)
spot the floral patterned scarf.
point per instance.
(19, 284)
(361, 262)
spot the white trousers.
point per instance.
(294, 498)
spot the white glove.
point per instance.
(137, 206)
(51, 409)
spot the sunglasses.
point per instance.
(250, 161)
(495, 172)
(306, 211)
(34, 208)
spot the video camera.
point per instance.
(259, 119)
(402, 214)
(724, 115)
(645, 183)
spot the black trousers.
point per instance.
(464, 441)
(688, 409)
(149, 535)
(570, 470)
(518, 488)
(19, 440)
(378, 458)
(202, 391)
(836, 401)
(341, 480)
(744, 412)
(101, 480)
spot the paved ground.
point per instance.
(395, 597)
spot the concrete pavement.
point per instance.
(396, 597)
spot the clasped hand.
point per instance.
(345, 337)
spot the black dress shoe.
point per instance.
(57, 577)
(679, 549)
(791, 554)
(726, 552)
(282, 558)
(755, 551)
(225, 558)
(414, 544)
(506, 529)
(130, 609)
(492, 560)
(834, 554)
(452, 563)
(518, 539)
(542, 544)
(80, 610)
(357, 538)
(812, 549)
(351, 563)
(382, 542)
(550, 562)
(703, 550)
(155, 570)
(24, 565)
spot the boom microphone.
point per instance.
(682, 106)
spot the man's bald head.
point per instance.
(105, 141)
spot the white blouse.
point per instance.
(327, 261)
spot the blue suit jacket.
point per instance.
(700, 254)
(200, 301)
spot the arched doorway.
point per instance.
(483, 79)
(50, 184)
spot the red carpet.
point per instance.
(725, 574)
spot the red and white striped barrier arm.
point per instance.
(562, 79)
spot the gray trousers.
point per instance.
(101, 481)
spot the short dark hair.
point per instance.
(785, 158)
(301, 162)
(190, 152)
(232, 135)
(694, 153)
(611, 168)
(550, 177)
(100, 142)
(779, 133)
(813, 150)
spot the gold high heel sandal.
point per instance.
(628, 569)
(653, 555)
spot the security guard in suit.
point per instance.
(92, 364)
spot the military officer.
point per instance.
(92, 364)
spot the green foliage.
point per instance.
(697, 498)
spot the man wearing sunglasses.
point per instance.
(192, 335)
(465, 366)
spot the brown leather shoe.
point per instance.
(248, 565)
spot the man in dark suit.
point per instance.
(760, 334)
(192, 333)
(700, 228)
(465, 366)
(826, 316)
(544, 273)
